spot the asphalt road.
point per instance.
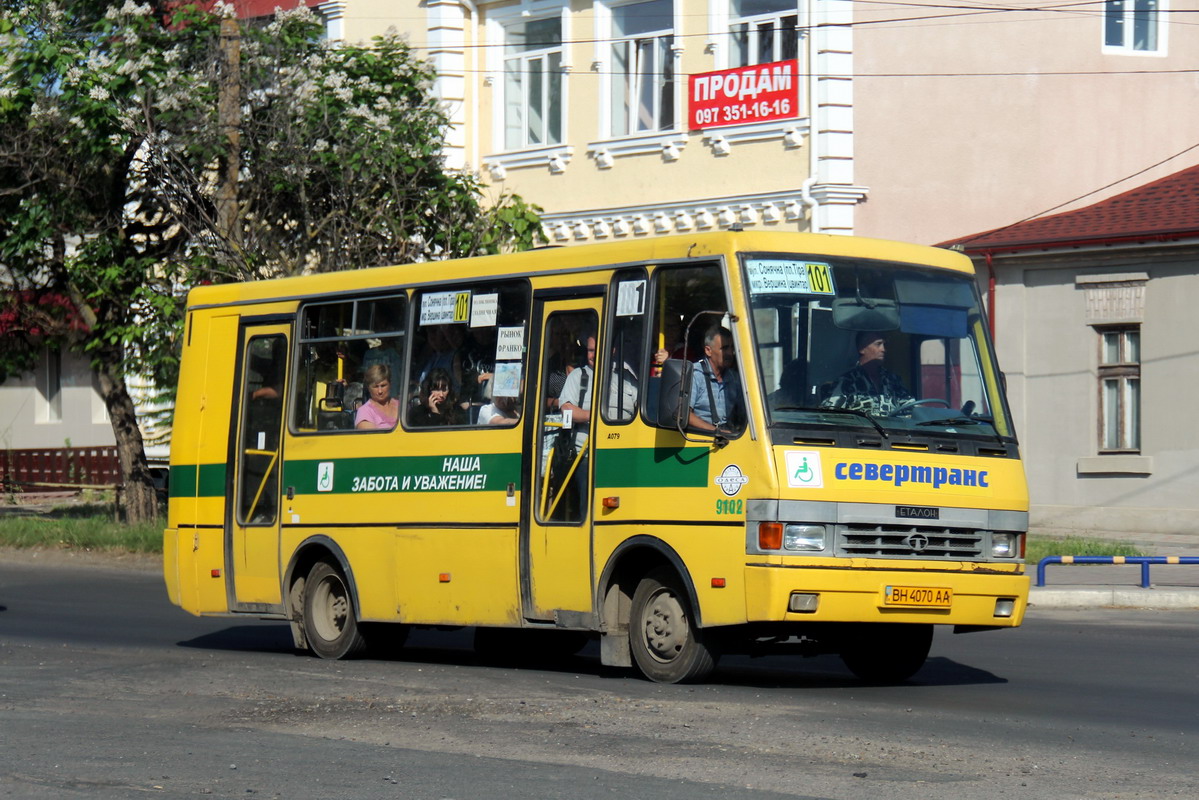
(107, 691)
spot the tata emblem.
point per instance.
(731, 480)
(917, 541)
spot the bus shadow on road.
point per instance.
(266, 638)
(453, 648)
(827, 672)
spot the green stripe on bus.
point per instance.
(651, 467)
(486, 472)
(188, 480)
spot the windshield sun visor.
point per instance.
(865, 314)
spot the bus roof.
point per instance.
(574, 258)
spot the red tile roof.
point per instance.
(1166, 209)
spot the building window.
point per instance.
(1120, 389)
(762, 31)
(533, 83)
(49, 386)
(643, 80)
(1131, 25)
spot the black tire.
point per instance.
(888, 652)
(329, 616)
(666, 644)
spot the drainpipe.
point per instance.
(805, 189)
(471, 128)
(990, 293)
(805, 194)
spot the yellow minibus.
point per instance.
(727, 442)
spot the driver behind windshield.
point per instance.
(868, 386)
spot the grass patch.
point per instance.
(1037, 547)
(75, 531)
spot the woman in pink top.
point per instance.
(382, 410)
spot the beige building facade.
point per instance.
(914, 121)
(584, 107)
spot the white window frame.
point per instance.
(1128, 16)
(525, 60)
(1120, 389)
(49, 387)
(332, 14)
(606, 41)
(754, 23)
(501, 158)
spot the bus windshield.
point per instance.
(855, 343)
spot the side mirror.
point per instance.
(674, 397)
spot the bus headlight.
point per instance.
(803, 537)
(1005, 545)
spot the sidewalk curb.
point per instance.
(1113, 597)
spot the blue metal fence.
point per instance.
(1144, 561)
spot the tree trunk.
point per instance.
(139, 499)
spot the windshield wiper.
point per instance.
(835, 410)
(972, 420)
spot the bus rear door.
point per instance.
(252, 541)
(556, 569)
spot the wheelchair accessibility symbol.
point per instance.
(803, 469)
(324, 476)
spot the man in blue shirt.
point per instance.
(715, 388)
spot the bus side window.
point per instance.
(470, 342)
(338, 342)
(628, 364)
(686, 302)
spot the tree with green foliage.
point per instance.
(149, 147)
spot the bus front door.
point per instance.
(252, 541)
(556, 569)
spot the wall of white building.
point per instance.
(1049, 315)
(55, 406)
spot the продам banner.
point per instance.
(757, 93)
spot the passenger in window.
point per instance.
(384, 351)
(671, 338)
(790, 393)
(438, 402)
(478, 366)
(443, 351)
(576, 393)
(381, 410)
(715, 386)
(560, 364)
(500, 411)
(624, 385)
(868, 386)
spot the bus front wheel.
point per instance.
(329, 621)
(665, 642)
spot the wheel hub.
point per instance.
(665, 627)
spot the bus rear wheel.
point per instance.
(329, 621)
(888, 652)
(666, 644)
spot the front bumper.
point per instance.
(857, 595)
